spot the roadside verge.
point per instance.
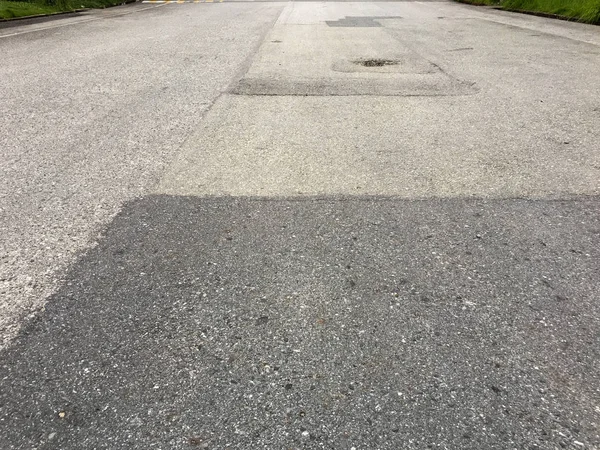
(586, 11)
(15, 10)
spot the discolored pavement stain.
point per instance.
(318, 323)
(366, 22)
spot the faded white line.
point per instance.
(78, 22)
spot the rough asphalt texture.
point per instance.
(330, 323)
(255, 241)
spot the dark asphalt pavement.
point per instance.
(318, 323)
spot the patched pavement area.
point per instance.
(319, 323)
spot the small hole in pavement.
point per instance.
(376, 62)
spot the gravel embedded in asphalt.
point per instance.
(318, 323)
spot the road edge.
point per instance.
(62, 13)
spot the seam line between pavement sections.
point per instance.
(239, 74)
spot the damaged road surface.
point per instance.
(365, 225)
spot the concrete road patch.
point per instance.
(319, 60)
(413, 148)
(455, 115)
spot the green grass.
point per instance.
(583, 10)
(11, 9)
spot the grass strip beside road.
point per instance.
(580, 10)
(14, 9)
(10, 10)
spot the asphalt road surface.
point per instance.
(368, 225)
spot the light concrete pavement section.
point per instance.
(449, 112)
(336, 225)
(280, 146)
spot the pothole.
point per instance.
(376, 62)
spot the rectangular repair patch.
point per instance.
(322, 60)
